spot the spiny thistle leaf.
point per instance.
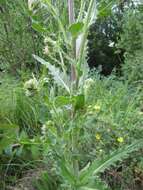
(88, 188)
(99, 166)
(58, 76)
(95, 184)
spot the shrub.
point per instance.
(133, 67)
(131, 39)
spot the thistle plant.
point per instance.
(63, 138)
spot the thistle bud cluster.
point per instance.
(31, 86)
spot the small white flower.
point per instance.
(111, 44)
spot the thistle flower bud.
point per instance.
(46, 50)
(31, 84)
(31, 4)
(88, 83)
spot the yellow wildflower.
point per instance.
(98, 136)
(97, 108)
(120, 139)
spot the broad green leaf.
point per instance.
(62, 100)
(79, 101)
(75, 29)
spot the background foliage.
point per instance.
(63, 126)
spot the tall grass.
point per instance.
(16, 107)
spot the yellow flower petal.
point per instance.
(120, 139)
(98, 136)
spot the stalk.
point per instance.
(73, 80)
(71, 21)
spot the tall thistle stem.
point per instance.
(71, 21)
(73, 82)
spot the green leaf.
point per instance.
(35, 151)
(95, 184)
(66, 173)
(8, 134)
(53, 10)
(88, 188)
(62, 101)
(100, 184)
(38, 27)
(2, 1)
(90, 17)
(58, 76)
(99, 165)
(79, 101)
(105, 8)
(75, 29)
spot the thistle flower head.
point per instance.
(31, 84)
(89, 83)
(46, 50)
